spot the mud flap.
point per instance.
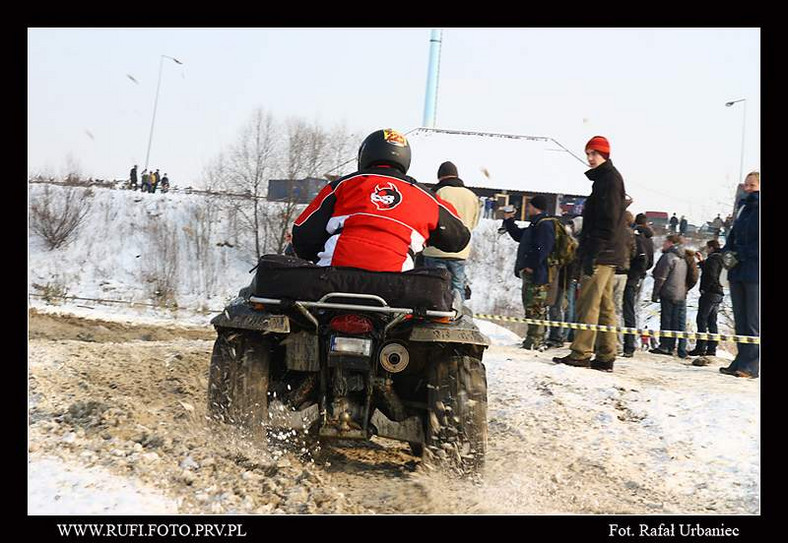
(410, 429)
(280, 416)
(302, 351)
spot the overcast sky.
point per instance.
(658, 95)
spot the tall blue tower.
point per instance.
(433, 69)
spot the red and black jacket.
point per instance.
(377, 220)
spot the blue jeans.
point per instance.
(455, 267)
(744, 297)
(571, 299)
(708, 305)
(673, 316)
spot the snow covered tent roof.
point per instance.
(511, 162)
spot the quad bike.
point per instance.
(343, 354)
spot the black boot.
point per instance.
(699, 350)
(602, 366)
(711, 348)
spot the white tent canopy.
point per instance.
(499, 161)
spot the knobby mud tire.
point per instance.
(238, 380)
(456, 432)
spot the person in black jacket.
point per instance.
(602, 248)
(133, 178)
(536, 243)
(638, 266)
(743, 279)
(711, 294)
(621, 277)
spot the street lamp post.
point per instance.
(743, 123)
(156, 103)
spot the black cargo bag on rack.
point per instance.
(291, 278)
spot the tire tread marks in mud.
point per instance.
(457, 416)
(238, 382)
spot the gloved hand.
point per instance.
(588, 266)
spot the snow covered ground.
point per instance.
(690, 433)
(133, 244)
(60, 488)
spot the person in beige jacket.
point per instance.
(451, 188)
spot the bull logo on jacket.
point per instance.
(387, 197)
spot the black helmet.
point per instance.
(385, 147)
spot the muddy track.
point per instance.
(131, 398)
(54, 327)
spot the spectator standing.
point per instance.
(602, 248)
(670, 290)
(536, 243)
(743, 278)
(450, 188)
(638, 266)
(561, 293)
(674, 224)
(145, 181)
(683, 225)
(165, 183)
(620, 278)
(133, 178)
(711, 295)
(717, 225)
(154, 180)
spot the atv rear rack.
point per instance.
(383, 308)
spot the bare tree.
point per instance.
(342, 152)
(311, 152)
(215, 180)
(305, 155)
(57, 219)
(248, 167)
(295, 150)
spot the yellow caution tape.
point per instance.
(629, 331)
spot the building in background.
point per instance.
(299, 191)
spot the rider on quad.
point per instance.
(377, 218)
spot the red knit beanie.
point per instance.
(599, 144)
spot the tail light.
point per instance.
(351, 324)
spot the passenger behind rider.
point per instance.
(377, 218)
